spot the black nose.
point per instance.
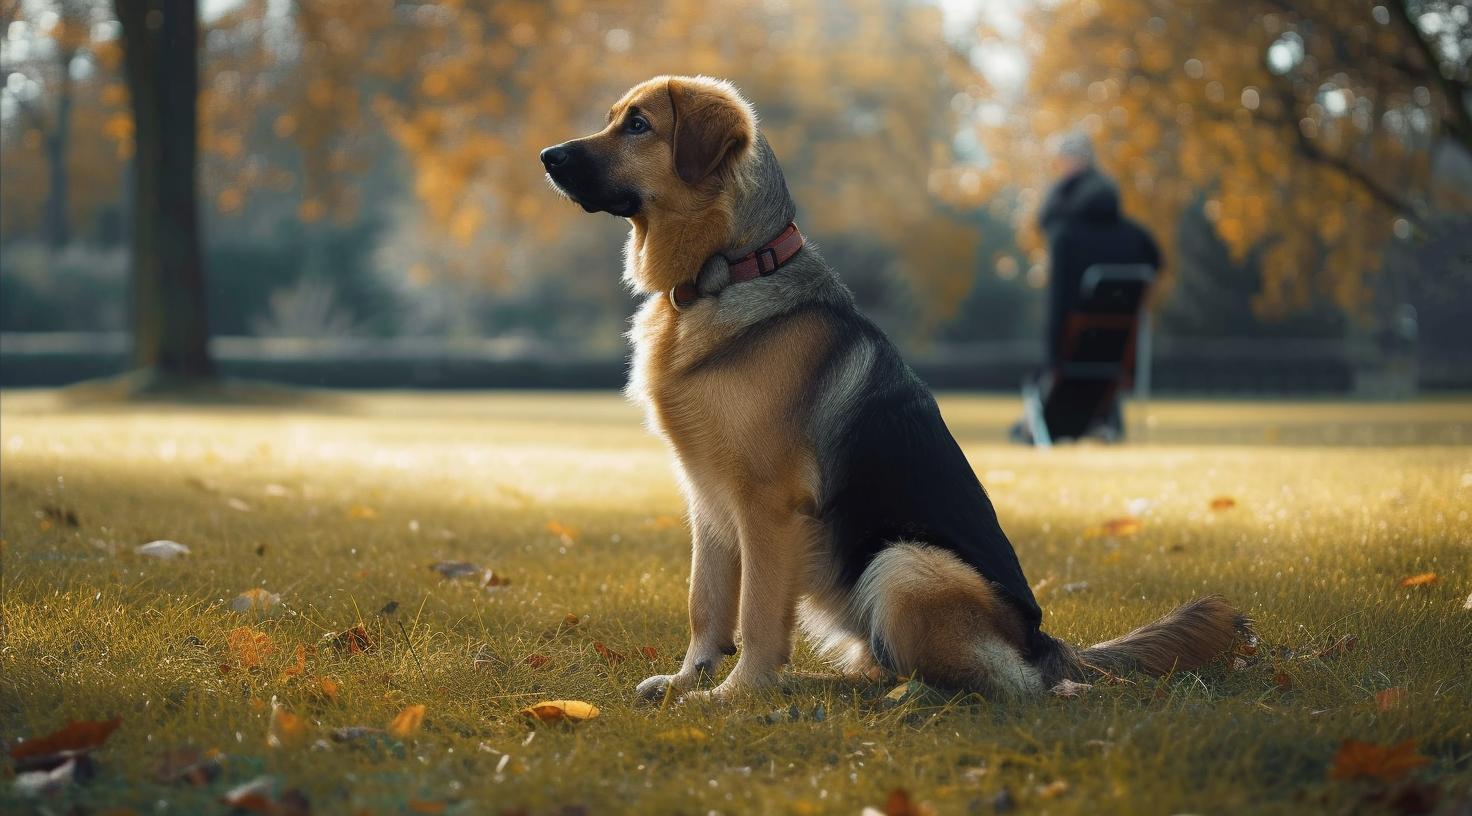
(554, 157)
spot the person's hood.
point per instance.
(1085, 196)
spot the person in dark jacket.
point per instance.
(1083, 225)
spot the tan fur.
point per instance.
(943, 622)
(1190, 637)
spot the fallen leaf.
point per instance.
(163, 550)
(286, 729)
(407, 723)
(900, 803)
(297, 667)
(570, 620)
(562, 531)
(259, 796)
(47, 781)
(76, 737)
(60, 516)
(649, 652)
(328, 688)
(1053, 789)
(613, 658)
(255, 600)
(362, 512)
(537, 661)
(352, 641)
(1424, 579)
(561, 711)
(187, 766)
(1391, 698)
(248, 646)
(1283, 680)
(427, 806)
(1357, 759)
(1223, 503)
(1121, 527)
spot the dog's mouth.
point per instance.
(621, 203)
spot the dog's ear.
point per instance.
(712, 125)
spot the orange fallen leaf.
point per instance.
(427, 806)
(248, 646)
(561, 711)
(1424, 579)
(1223, 503)
(407, 723)
(362, 512)
(1283, 680)
(78, 736)
(606, 653)
(1391, 698)
(1053, 789)
(570, 620)
(286, 729)
(353, 641)
(566, 533)
(649, 652)
(1357, 759)
(1121, 527)
(328, 687)
(537, 661)
(296, 668)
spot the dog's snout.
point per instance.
(555, 156)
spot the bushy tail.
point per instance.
(1190, 637)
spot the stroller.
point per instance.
(1105, 345)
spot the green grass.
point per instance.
(1335, 504)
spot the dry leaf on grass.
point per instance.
(537, 661)
(1223, 503)
(1424, 579)
(163, 549)
(408, 721)
(328, 688)
(298, 666)
(1121, 527)
(352, 641)
(552, 711)
(259, 796)
(248, 646)
(76, 737)
(362, 512)
(1391, 698)
(1283, 680)
(649, 652)
(566, 533)
(255, 600)
(428, 806)
(900, 803)
(286, 729)
(1357, 759)
(613, 658)
(1053, 789)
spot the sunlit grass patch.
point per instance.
(572, 507)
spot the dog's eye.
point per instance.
(636, 124)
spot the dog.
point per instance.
(823, 487)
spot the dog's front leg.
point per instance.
(715, 575)
(773, 551)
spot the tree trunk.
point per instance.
(57, 224)
(161, 60)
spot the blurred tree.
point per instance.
(1313, 126)
(161, 58)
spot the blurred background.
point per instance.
(372, 211)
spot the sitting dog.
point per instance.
(821, 482)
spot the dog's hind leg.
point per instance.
(930, 615)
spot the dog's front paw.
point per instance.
(656, 687)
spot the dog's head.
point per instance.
(669, 144)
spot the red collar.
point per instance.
(759, 263)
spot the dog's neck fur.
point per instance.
(731, 215)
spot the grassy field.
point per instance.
(341, 509)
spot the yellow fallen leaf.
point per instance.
(286, 728)
(561, 711)
(562, 531)
(1223, 503)
(407, 723)
(1424, 579)
(363, 512)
